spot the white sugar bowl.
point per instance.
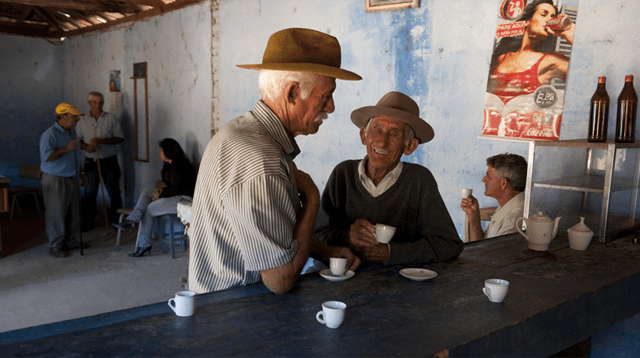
(580, 235)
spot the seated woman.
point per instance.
(178, 180)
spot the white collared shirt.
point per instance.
(107, 126)
(504, 219)
(386, 182)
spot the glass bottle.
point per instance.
(627, 110)
(599, 113)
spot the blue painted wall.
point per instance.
(31, 71)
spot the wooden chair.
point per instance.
(27, 171)
(124, 212)
(485, 215)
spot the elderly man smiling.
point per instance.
(382, 189)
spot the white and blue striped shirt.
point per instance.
(245, 203)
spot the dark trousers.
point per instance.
(111, 178)
(60, 200)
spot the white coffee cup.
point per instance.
(338, 265)
(184, 303)
(495, 289)
(466, 192)
(332, 314)
(384, 233)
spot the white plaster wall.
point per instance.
(30, 90)
(177, 49)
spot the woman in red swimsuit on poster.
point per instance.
(522, 64)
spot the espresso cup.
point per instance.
(338, 265)
(184, 303)
(332, 314)
(495, 289)
(384, 233)
(466, 192)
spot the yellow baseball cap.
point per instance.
(63, 108)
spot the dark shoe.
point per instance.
(57, 253)
(73, 246)
(141, 251)
(126, 225)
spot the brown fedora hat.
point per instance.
(399, 106)
(304, 50)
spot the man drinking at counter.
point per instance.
(253, 210)
(505, 181)
(380, 189)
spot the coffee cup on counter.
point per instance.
(183, 304)
(338, 265)
(495, 289)
(332, 314)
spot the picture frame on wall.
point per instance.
(390, 5)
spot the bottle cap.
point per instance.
(628, 78)
(602, 79)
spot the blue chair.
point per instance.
(171, 229)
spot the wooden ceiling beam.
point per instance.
(29, 31)
(50, 19)
(24, 14)
(61, 4)
(81, 16)
(152, 3)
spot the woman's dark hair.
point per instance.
(512, 44)
(172, 150)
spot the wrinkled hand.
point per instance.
(72, 145)
(353, 261)
(156, 195)
(362, 235)
(470, 206)
(378, 253)
(306, 187)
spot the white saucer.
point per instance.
(326, 273)
(418, 274)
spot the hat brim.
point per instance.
(424, 132)
(307, 67)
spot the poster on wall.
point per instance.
(528, 70)
(114, 81)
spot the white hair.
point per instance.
(96, 95)
(272, 82)
(409, 133)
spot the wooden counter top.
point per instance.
(556, 299)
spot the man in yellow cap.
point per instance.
(60, 166)
(381, 189)
(253, 210)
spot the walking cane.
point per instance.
(75, 156)
(104, 205)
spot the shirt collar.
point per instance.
(392, 174)
(275, 128)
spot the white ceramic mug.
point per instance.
(495, 289)
(332, 314)
(338, 265)
(384, 233)
(466, 192)
(184, 303)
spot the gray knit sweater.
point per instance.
(424, 229)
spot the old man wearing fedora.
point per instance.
(380, 189)
(253, 210)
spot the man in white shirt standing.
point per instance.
(505, 181)
(100, 133)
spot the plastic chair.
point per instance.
(27, 171)
(485, 215)
(172, 231)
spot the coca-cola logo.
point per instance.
(512, 9)
(545, 97)
(539, 132)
